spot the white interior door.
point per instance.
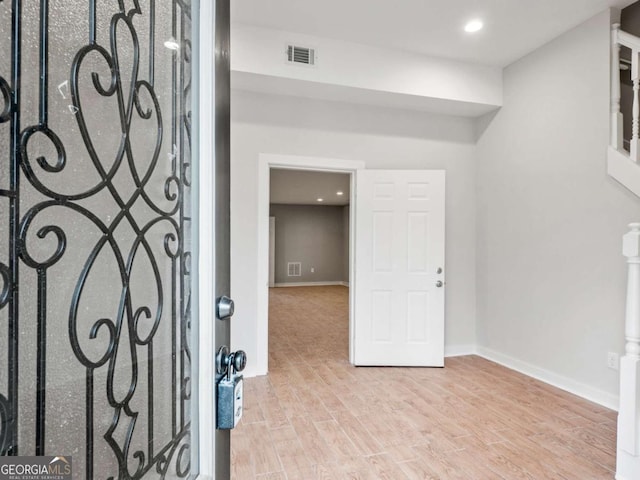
(399, 298)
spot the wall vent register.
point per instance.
(301, 55)
(294, 269)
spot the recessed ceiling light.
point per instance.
(339, 193)
(473, 26)
(321, 199)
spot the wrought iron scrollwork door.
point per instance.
(95, 235)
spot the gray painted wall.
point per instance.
(312, 235)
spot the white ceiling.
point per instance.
(297, 187)
(513, 28)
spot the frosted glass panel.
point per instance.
(95, 235)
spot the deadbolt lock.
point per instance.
(225, 308)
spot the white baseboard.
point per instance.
(257, 371)
(627, 466)
(459, 350)
(311, 284)
(564, 383)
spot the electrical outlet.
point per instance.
(313, 270)
(613, 361)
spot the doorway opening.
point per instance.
(286, 168)
(309, 217)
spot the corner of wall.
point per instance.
(527, 315)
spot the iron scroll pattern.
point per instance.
(136, 326)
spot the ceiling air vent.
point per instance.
(301, 55)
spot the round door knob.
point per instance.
(439, 284)
(222, 360)
(239, 360)
(234, 361)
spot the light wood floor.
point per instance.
(317, 417)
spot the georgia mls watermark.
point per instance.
(35, 468)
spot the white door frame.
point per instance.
(272, 251)
(204, 264)
(293, 162)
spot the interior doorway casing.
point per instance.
(272, 252)
(292, 162)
